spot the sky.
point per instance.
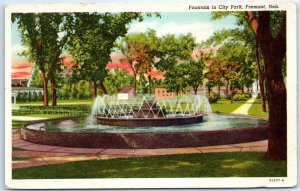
(197, 23)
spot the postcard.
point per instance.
(159, 95)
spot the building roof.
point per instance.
(21, 69)
(127, 89)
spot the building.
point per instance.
(126, 93)
(163, 93)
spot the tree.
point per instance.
(195, 73)
(139, 50)
(174, 58)
(172, 49)
(91, 43)
(40, 34)
(215, 75)
(273, 46)
(245, 35)
(116, 80)
(177, 78)
(269, 28)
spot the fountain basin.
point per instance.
(144, 138)
(150, 122)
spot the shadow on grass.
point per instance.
(192, 165)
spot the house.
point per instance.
(126, 93)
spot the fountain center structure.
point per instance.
(148, 111)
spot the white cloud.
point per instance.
(199, 30)
(142, 26)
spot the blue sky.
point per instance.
(197, 23)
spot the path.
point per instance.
(243, 109)
(40, 155)
(26, 118)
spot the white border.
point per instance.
(291, 180)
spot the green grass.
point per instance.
(20, 158)
(224, 106)
(41, 115)
(17, 124)
(246, 164)
(255, 109)
(59, 102)
(17, 149)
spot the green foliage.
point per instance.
(172, 48)
(75, 90)
(117, 80)
(139, 50)
(44, 35)
(213, 97)
(241, 97)
(177, 79)
(92, 40)
(194, 72)
(37, 80)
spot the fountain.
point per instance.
(147, 122)
(147, 111)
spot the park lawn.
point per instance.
(59, 102)
(255, 109)
(41, 115)
(241, 164)
(224, 106)
(17, 124)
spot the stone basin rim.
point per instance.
(144, 140)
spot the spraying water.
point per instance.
(148, 106)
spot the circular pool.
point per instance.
(215, 129)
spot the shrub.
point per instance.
(213, 98)
(247, 95)
(237, 97)
(241, 97)
(35, 96)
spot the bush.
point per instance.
(213, 98)
(248, 95)
(35, 96)
(241, 97)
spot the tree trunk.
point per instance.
(219, 90)
(273, 51)
(231, 94)
(227, 85)
(209, 90)
(53, 92)
(149, 84)
(102, 87)
(276, 95)
(195, 88)
(45, 89)
(261, 81)
(134, 84)
(94, 89)
(243, 89)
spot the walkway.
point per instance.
(29, 154)
(243, 109)
(26, 118)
